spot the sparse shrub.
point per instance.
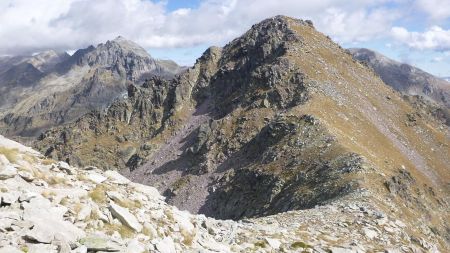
(260, 244)
(30, 159)
(77, 207)
(297, 245)
(24, 248)
(124, 231)
(188, 238)
(130, 204)
(98, 194)
(48, 161)
(64, 201)
(56, 180)
(48, 194)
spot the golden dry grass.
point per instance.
(98, 194)
(11, 154)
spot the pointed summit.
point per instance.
(129, 46)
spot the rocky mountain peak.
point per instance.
(128, 46)
(46, 61)
(119, 51)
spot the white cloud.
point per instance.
(437, 59)
(358, 25)
(435, 38)
(436, 9)
(28, 26)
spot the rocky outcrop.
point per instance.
(142, 115)
(63, 210)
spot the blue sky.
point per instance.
(412, 31)
(433, 61)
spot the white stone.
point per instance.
(96, 177)
(369, 233)
(27, 176)
(41, 208)
(274, 243)
(9, 249)
(63, 166)
(84, 213)
(166, 245)
(5, 142)
(115, 196)
(45, 230)
(150, 230)
(98, 243)
(183, 220)
(10, 214)
(3, 160)
(341, 250)
(27, 196)
(81, 249)
(5, 224)
(7, 171)
(62, 245)
(40, 248)
(400, 223)
(48, 222)
(116, 178)
(9, 197)
(134, 246)
(125, 217)
(150, 192)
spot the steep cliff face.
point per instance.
(88, 80)
(280, 119)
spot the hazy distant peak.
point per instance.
(405, 78)
(127, 46)
(372, 56)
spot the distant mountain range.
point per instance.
(405, 78)
(49, 89)
(20, 72)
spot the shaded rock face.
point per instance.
(279, 119)
(90, 79)
(292, 178)
(141, 115)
